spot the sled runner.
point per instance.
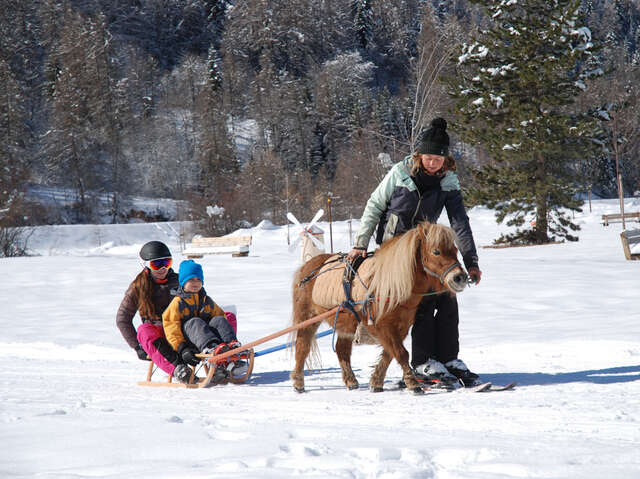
(208, 363)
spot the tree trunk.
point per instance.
(540, 230)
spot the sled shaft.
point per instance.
(286, 345)
(282, 332)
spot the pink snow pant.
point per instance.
(231, 319)
(147, 334)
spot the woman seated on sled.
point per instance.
(149, 294)
(194, 324)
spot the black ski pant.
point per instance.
(435, 331)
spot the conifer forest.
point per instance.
(266, 106)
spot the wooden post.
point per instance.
(618, 174)
(621, 200)
(286, 179)
(330, 224)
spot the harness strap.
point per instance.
(314, 274)
(364, 303)
(350, 271)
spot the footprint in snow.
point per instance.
(57, 412)
(377, 454)
(300, 450)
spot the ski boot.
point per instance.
(459, 369)
(434, 374)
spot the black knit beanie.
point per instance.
(435, 140)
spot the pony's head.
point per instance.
(428, 250)
(439, 257)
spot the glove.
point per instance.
(142, 354)
(475, 274)
(355, 252)
(188, 354)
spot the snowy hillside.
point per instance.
(59, 202)
(561, 320)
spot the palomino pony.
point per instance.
(403, 270)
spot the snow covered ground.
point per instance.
(561, 320)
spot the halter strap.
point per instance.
(444, 273)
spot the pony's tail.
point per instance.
(314, 359)
(301, 294)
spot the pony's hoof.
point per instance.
(353, 387)
(376, 389)
(299, 390)
(417, 391)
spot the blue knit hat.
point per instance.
(189, 269)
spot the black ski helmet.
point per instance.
(154, 250)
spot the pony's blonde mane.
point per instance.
(393, 273)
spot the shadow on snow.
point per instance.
(275, 377)
(622, 374)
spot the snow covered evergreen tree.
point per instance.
(217, 159)
(73, 148)
(13, 169)
(362, 21)
(515, 93)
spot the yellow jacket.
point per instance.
(184, 307)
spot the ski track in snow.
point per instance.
(561, 320)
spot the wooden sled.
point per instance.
(207, 360)
(250, 356)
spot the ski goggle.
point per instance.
(159, 263)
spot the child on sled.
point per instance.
(194, 323)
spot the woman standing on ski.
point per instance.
(418, 189)
(149, 294)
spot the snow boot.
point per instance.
(239, 368)
(234, 345)
(216, 349)
(220, 374)
(459, 369)
(182, 373)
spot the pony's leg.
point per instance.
(390, 337)
(379, 373)
(343, 350)
(407, 373)
(304, 342)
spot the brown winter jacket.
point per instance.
(162, 295)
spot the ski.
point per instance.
(438, 387)
(505, 387)
(479, 388)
